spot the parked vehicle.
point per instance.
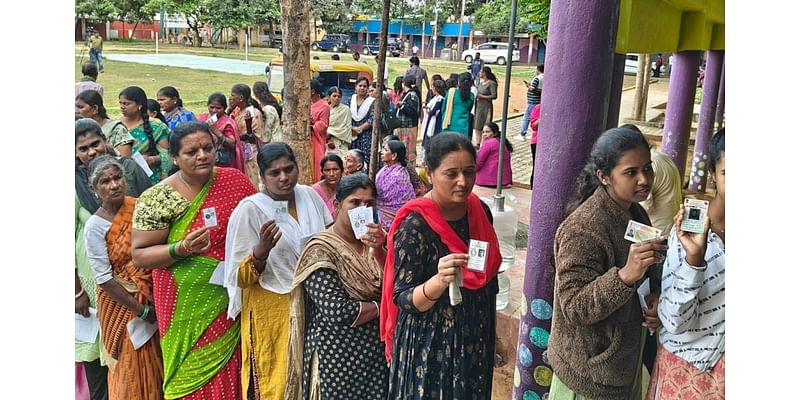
(632, 65)
(491, 52)
(393, 47)
(274, 40)
(335, 42)
(330, 73)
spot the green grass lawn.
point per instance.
(195, 85)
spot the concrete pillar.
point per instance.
(680, 105)
(721, 98)
(617, 79)
(574, 110)
(705, 124)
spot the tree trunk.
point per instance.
(642, 86)
(133, 31)
(297, 90)
(381, 58)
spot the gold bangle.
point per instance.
(80, 293)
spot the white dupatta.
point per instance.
(359, 113)
(244, 228)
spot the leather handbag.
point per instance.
(389, 122)
(224, 156)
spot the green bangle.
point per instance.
(172, 252)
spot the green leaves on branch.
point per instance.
(494, 17)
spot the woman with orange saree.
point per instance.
(124, 291)
(179, 229)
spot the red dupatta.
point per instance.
(479, 228)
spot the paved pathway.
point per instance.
(195, 62)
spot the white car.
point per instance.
(491, 52)
(632, 65)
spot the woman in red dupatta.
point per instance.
(224, 128)
(124, 291)
(179, 229)
(437, 349)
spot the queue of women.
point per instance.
(216, 275)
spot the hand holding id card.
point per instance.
(209, 217)
(694, 215)
(637, 232)
(477, 255)
(280, 211)
(359, 218)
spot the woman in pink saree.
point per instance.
(225, 129)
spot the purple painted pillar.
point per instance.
(574, 111)
(705, 124)
(680, 105)
(617, 78)
(721, 98)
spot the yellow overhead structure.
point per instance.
(665, 26)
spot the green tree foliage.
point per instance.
(494, 17)
(97, 10)
(334, 14)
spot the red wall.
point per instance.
(143, 31)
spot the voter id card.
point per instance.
(281, 211)
(694, 215)
(477, 255)
(209, 217)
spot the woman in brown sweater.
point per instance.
(597, 334)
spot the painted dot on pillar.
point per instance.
(545, 357)
(531, 395)
(542, 375)
(701, 172)
(546, 395)
(517, 378)
(541, 309)
(525, 356)
(701, 164)
(524, 305)
(539, 337)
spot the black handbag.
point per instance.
(224, 156)
(389, 122)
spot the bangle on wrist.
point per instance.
(79, 294)
(172, 252)
(425, 294)
(145, 311)
(185, 249)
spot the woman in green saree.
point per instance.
(151, 135)
(179, 229)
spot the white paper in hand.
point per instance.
(251, 112)
(140, 331)
(359, 218)
(477, 255)
(212, 119)
(209, 217)
(281, 211)
(86, 329)
(643, 291)
(218, 276)
(455, 288)
(142, 164)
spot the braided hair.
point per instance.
(138, 96)
(244, 90)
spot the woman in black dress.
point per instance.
(439, 350)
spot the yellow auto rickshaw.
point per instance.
(329, 72)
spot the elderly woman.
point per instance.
(230, 152)
(354, 162)
(340, 133)
(436, 349)
(266, 233)
(172, 106)
(151, 136)
(179, 231)
(335, 296)
(125, 291)
(393, 182)
(332, 167)
(362, 111)
(90, 144)
(249, 118)
(89, 104)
